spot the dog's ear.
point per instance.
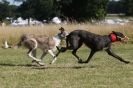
(62, 29)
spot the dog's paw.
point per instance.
(80, 61)
(85, 62)
(127, 62)
(41, 64)
(63, 49)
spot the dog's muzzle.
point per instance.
(123, 39)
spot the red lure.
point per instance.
(113, 37)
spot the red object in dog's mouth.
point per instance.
(113, 37)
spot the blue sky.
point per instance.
(12, 2)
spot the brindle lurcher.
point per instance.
(46, 44)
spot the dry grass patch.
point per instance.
(12, 34)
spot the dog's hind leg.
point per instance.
(35, 61)
(43, 55)
(34, 55)
(30, 54)
(109, 51)
(32, 50)
(90, 56)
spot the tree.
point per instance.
(26, 9)
(72, 9)
(38, 9)
(116, 7)
(83, 10)
(6, 10)
(129, 7)
(44, 9)
(99, 9)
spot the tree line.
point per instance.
(72, 10)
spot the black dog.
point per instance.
(94, 41)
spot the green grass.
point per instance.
(102, 71)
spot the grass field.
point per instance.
(103, 71)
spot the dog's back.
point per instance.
(43, 42)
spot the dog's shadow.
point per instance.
(13, 65)
(59, 67)
(47, 66)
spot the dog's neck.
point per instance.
(57, 40)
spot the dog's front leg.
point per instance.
(90, 56)
(78, 58)
(59, 51)
(109, 51)
(53, 55)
